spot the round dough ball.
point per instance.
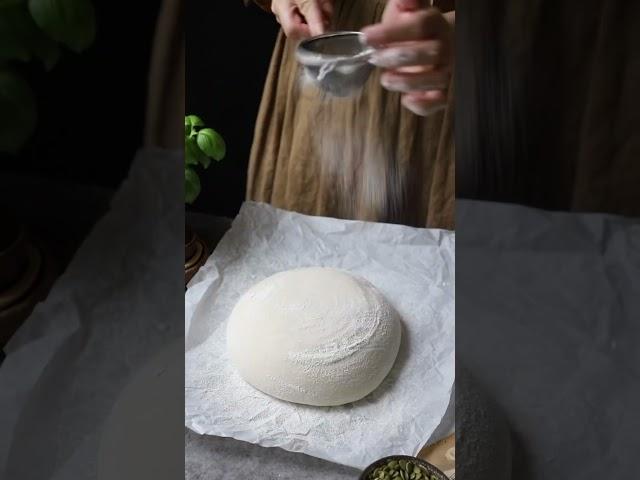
(316, 336)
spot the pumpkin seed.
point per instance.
(401, 470)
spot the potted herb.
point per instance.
(201, 145)
(35, 31)
(33, 36)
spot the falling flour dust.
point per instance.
(357, 150)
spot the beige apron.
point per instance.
(360, 158)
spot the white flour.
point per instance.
(325, 69)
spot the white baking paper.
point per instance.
(117, 304)
(413, 267)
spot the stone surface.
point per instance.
(209, 458)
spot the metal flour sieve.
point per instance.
(336, 62)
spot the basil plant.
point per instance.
(201, 145)
(35, 31)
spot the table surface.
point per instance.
(547, 314)
(208, 457)
(571, 356)
(571, 387)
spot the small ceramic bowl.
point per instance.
(433, 472)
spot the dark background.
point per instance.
(91, 106)
(91, 118)
(229, 47)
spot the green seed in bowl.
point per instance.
(400, 470)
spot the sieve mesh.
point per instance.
(336, 62)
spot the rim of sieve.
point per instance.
(310, 58)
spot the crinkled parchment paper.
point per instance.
(414, 268)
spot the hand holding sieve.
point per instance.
(337, 62)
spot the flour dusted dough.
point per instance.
(317, 336)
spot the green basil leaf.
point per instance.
(191, 125)
(21, 39)
(18, 113)
(204, 161)
(70, 22)
(193, 121)
(192, 153)
(14, 42)
(211, 143)
(191, 185)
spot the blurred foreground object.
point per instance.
(549, 114)
(118, 303)
(35, 30)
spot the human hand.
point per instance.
(302, 18)
(415, 47)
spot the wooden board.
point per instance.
(441, 454)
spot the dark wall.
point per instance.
(91, 106)
(229, 47)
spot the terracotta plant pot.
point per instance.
(195, 254)
(13, 251)
(190, 244)
(27, 272)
